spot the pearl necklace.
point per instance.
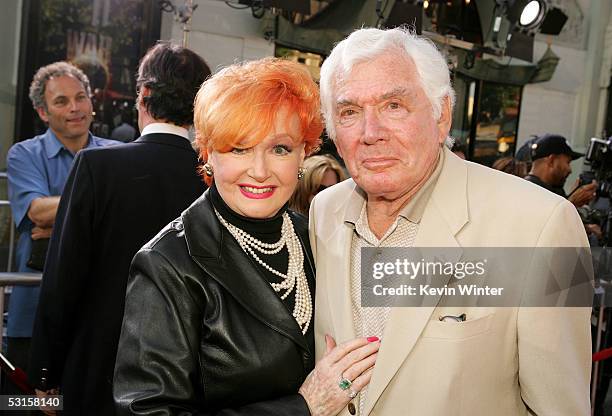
(295, 276)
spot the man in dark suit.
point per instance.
(113, 203)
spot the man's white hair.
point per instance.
(365, 44)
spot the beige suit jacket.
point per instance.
(501, 361)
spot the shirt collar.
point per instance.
(412, 211)
(355, 205)
(53, 145)
(165, 128)
(362, 228)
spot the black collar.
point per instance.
(215, 250)
(166, 139)
(555, 189)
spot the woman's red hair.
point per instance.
(237, 106)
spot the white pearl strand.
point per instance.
(295, 277)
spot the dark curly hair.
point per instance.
(173, 75)
(56, 69)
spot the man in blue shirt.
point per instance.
(37, 170)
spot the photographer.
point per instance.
(551, 156)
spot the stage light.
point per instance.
(526, 14)
(530, 13)
(510, 26)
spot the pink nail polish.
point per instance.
(372, 339)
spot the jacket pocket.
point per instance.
(458, 330)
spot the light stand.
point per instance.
(182, 14)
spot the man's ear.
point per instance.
(338, 148)
(42, 113)
(144, 92)
(445, 120)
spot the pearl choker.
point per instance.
(295, 276)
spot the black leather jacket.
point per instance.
(203, 331)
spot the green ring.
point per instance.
(344, 383)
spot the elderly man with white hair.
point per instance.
(387, 101)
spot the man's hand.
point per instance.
(43, 394)
(40, 232)
(43, 210)
(584, 194)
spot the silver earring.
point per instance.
(301, 172)
(208, 170)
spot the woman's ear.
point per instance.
(210, 159)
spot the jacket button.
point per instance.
(177, 225)
(351, 408)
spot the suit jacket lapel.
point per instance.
(216, 251)
(437, 229)
(335, 264)
(339, 282)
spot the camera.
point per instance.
(599, 167)
(599, 159)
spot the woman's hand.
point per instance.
(354, 360)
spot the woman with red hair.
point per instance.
(219, 307)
